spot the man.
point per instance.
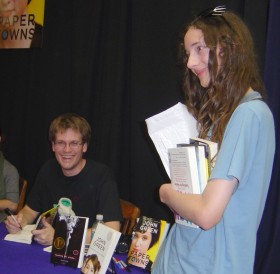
(88, 184)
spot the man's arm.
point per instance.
(114, 224)
(204, 209)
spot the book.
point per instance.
(211, 150)
(202, 161)
(69, 240)
(189, 172)
(147, 238)
(28, 25)
(101, 249)
(25, 235)
(50, 216)
(202, 165)
(184, 169)
(171, 127)
(188, 168)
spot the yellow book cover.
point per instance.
(21, 24)
(147, 237)
(50, 216)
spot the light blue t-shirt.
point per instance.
(246, 153)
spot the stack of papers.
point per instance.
(169, 128)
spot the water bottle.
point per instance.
(99, 219)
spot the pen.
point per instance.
(117, 263)
(8, 212)
(121, 264)
(125, 265)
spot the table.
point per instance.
(18, 258)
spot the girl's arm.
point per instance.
(206, 209)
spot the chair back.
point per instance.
(22, 193)
(130, 214)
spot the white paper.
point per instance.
(169, 128)
(23, 236)
(48, 249)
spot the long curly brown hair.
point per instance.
(237, 72)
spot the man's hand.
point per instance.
(45, 235)
(24, 217)
(11, 225)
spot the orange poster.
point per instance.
(21, 23)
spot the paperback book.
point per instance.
(147, 238)
(69, 240)
(23, 236)
(101, 249)
(50, 216)
(189, 171)
(211, 150)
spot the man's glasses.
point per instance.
(72, 145)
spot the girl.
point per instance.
(224, 92)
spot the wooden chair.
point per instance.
(22, 189)
(130, 214)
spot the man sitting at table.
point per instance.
(88, 184)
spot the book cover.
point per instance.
(210, 147)
(147, 238)
(184, 170)
(50, 216)
(189, 173)
(69, 240)
(202, 158)
(101, 249)
(203, 165)
(22, 28)
(173, 126)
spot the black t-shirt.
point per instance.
(93, 191)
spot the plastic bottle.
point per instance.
(99, 219)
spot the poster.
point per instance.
(21, 24)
